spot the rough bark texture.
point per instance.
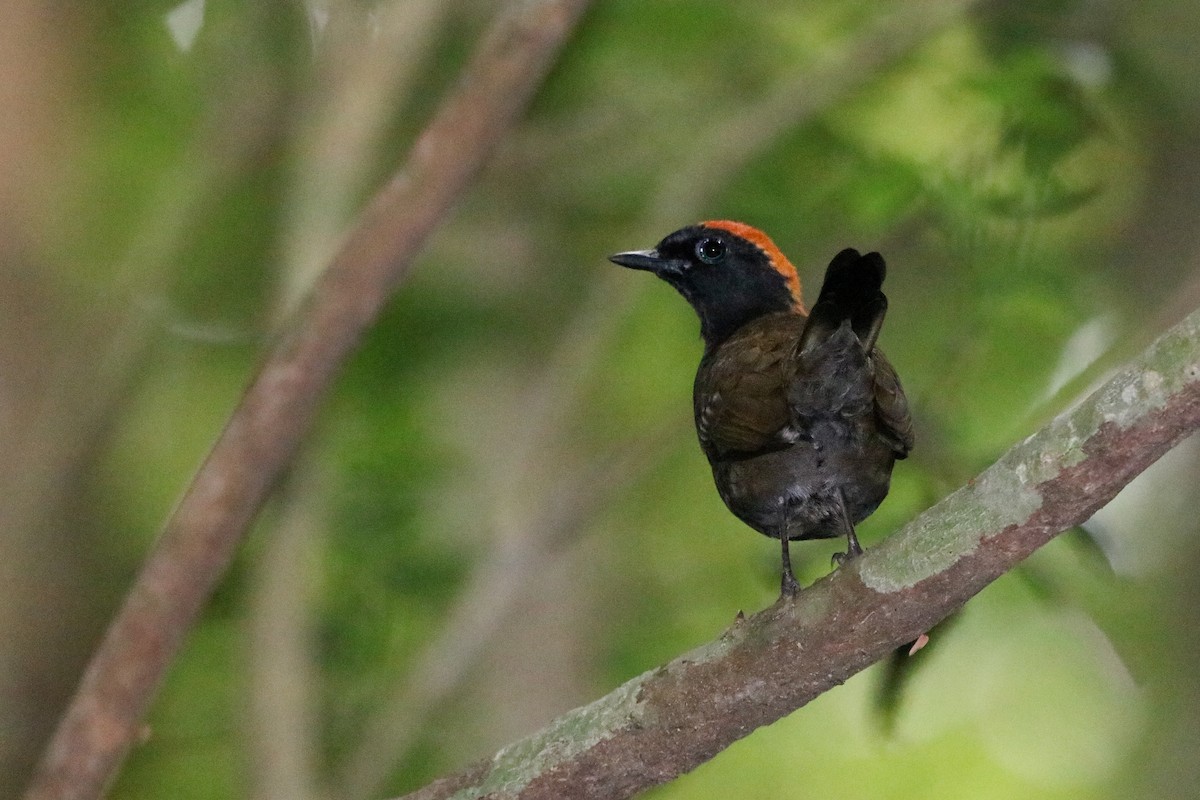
(278, 409)
(668, 721)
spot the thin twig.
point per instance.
(343, 123)
(282, 696)
(338, 133)
(278, 409)
(669, 720)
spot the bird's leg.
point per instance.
(853, 548)
(789, 586)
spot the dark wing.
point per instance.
(740, 395)
(891, 407)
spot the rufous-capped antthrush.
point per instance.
(800, 415)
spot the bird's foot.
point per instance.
(853, 548)
(841, 559)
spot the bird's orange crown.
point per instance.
(779, 262)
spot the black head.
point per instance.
(730, 272)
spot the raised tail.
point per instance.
(852, 292)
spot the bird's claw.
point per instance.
(841, 559)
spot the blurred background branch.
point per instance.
(277, 410)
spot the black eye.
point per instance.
(710, 251)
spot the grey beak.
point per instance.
(648, 260)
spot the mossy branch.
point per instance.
(668, 721)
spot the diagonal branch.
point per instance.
(278, 409)
(668, 721)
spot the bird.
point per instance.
(800, 415)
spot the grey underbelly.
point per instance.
(802, 486)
